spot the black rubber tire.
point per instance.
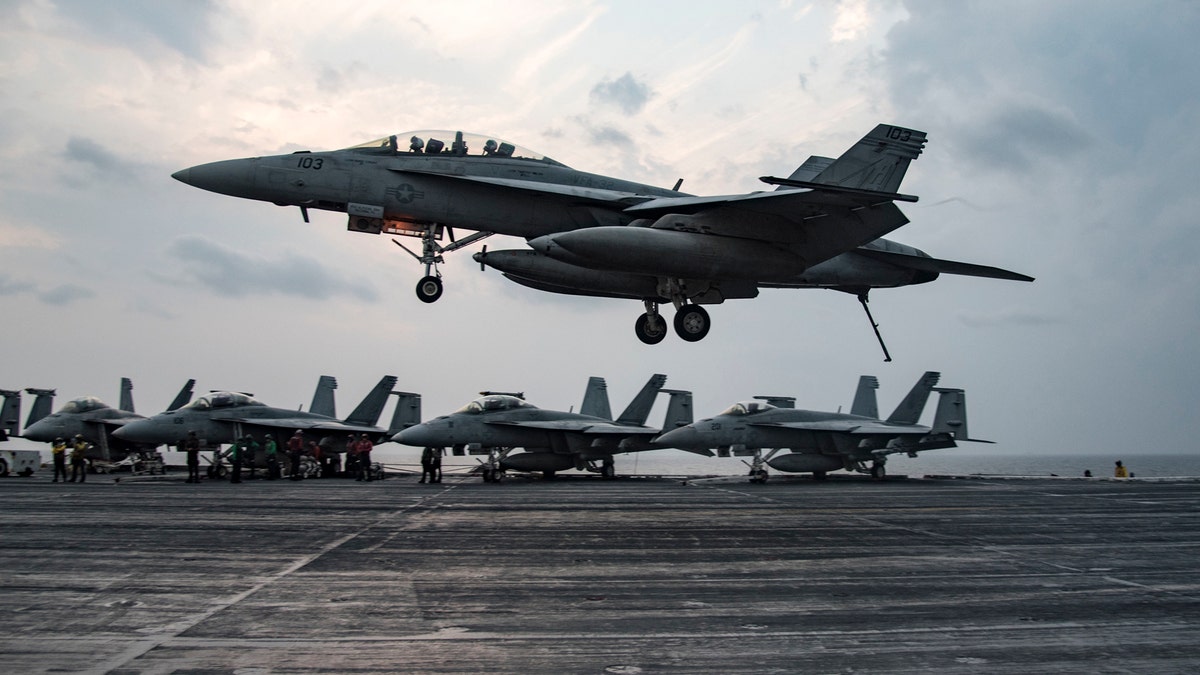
(429, 289)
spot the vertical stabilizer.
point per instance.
(910, 409)
(323, 403)
(10, 414)
(126, 395)
(679, 410)
(367, 413)
(865, 404)
(183, 397)
(951, 417)
(407, 414)
(595, 399)
(639, 408)
(809, 170)
(877, 162)
(42, 404)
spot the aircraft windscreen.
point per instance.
(747, 408)
(451, 144)
(83, 404)
(220, 399)
(494, 403)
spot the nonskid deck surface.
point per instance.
(620, 576)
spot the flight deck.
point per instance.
(582, 575)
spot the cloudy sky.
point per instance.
(1062, 144)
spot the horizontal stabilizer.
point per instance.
(868, 195)
(927, 264)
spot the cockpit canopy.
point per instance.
(83, 404)
(450, 144)
(747, 408)
(493, 403)
(220, 399)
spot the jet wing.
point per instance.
(926, 264)
(615, 198)
(306, 424)
(848, 427)
(595, 428)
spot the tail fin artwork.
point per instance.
(910, 409)
(865, 404)
(183, 397)
(872, 167)
(407, 413)
(595, 399)
(367, 413)
(126, 395)
(639, 408)
(10, 414)
(323, 402)
(42, 404)
(951, 416)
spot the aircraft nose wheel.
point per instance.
(650, 332)
(429, 289)
(692, 323)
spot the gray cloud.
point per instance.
(65, 294)
(87, 151)
(1015, 137)
(184, 27)
(233, 274)
(607, 135)
(10, 287)
(625, 93)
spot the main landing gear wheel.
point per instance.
(650, 332)
(878, 472)
(692, 323)
(429, 289)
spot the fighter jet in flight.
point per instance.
(97, 422)
(595, 235)
(820, 442)
(498, 423)
(224, 416)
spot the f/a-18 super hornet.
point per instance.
(595, 235)
(498, 423)
(820, 442)
(226, 416)
(98, 423)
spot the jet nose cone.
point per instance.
(683, 437)
(141, 431)
(234, 177)
(42, 431)
(416, 435)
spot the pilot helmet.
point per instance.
(59, 439)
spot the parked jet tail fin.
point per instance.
(183, 397)
(639, 408)
(595, 399)
(126, 395)
(42, 404)
(407, 414)
(10, 414)
(910, 409)
(679, 409)
(865, 404)
(877, 162)
(951, 416)
(367, 413)
(323, 402)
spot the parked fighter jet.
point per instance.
(553, 441)
(822, 441)
(685, 250)
(223, 416)
(98, 422)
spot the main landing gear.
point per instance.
(429, 288)
(691, 323)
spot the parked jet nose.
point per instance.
(139, 431)
(44, 430)
(683, 437)
(234, 177)
(418, 435)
